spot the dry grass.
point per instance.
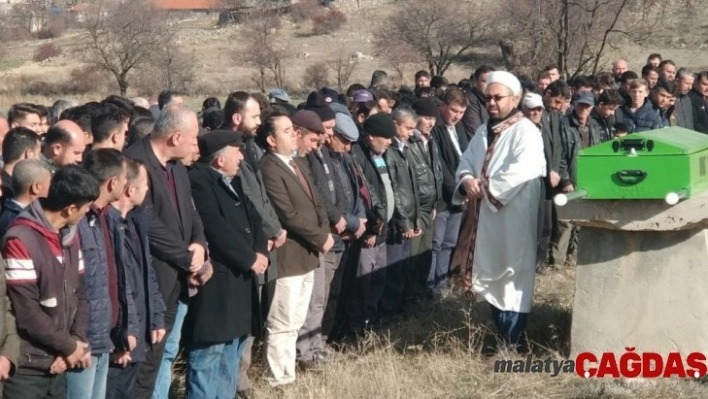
(441, 351)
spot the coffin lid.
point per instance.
(667, 141)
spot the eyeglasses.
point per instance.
(495, 98)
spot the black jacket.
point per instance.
(377, 203)
(149, 305)
(572, 144)
(223, 309)
(552, 146)
(700, 113)
(349, 201)
(7, 190)
(405, 187)
(171, 230)
(476, 113)
(428, 171)
(10, 210)
(449, 159)
(328, 187)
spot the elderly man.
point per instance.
(500, 174)
(176, 234)
(215, 348)
(404, 226)
(682, 114)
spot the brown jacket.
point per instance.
(304, 218)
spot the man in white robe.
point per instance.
(500, 173)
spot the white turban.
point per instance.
(505, 78)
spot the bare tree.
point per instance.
(343, 65)
(265, 49)
(123, 36)
(176, 67)
(572, 34)
(440, 32)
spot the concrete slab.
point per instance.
(641, 289)
(638, 215)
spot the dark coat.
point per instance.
(171, 230)
(149, 305)
(10, 210)
(406, 213)
(7, 189)
(682, 113)
(304, 218)
(252, 184)
(449, 158)
(552, 146)
(235, 235)
(93, 247)
(700, 112)
(378, 203)
(644, 118)
(572, 144)
(476, 113)
(427, 170)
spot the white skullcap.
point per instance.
(505, 78)
(532, 100)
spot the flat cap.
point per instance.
(345, 127)
(309, 120)
(278, 94)
(380, 125)
(213, 142)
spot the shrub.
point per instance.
(316, 76)
(328, 22)
(46, 51)
(305, 10)
(53, 29)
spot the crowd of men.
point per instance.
(132, 230)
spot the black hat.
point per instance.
(330, 96)
(215, 141)
(325, 113)
(426, 107)
(316, 99)
(380, 125)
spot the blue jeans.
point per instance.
(445, 230)
(213, 370)
(164, 376)
(89, 383)
(510, 325)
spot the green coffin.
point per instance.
(646, 165)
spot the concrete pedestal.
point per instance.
(642, 276)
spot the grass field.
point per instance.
(442, 349)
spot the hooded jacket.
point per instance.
(45, 283)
